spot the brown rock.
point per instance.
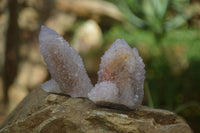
(48, 113)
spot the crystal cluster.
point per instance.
(64, 64)
(120, 78)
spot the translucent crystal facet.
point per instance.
(51, 86)
(121, 76)
(64, 64)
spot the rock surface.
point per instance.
(48, 113)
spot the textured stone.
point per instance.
(49, 113)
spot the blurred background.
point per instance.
(166, 33)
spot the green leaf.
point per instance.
(176, 22)
(160, 7)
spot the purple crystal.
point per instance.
(121, 77)
(64, 64)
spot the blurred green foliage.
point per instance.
(170, 49)
(157, 16)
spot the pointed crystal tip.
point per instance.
(47, 33)
(120, 78)
(64, 64)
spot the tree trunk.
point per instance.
(11, 49)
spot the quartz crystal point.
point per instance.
(64, 64)
(120, 78)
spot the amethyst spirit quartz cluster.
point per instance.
(120, 78)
